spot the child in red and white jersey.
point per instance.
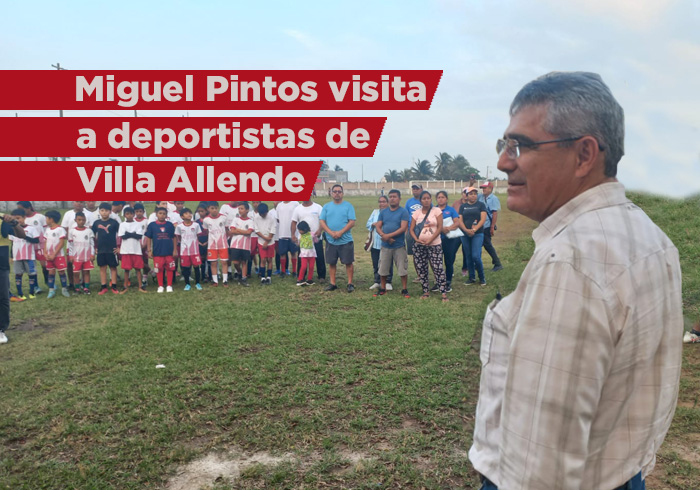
(241, 229)
(188, 232)
(23, 254)
(81, 246)
(53, 251)
(131, 232)
(217, 245)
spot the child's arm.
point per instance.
(175, 254)
(92, 247)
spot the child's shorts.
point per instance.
(163, 263)
(239, 255)
(254, 246)
(107, 259)
(85, 265)
(214, 254)
(132, 261)
(58, 263)
(266, 253)
(24, 267)
(190, 260)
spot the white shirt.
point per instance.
(265, 226)
(217, 232)
(581, 363)
(53, 237)
(21, 248)
(242, 241)
(189, 245)
(82, 244)
(130, 246)
(284, 216)
(310, 214)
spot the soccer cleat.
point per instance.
(188, 287)
(351, 288)
(691, 338)
(374, 286)
(15, 299)
(301, 283)
(115, 290)
(198, 287)
(102, 292)
(86, 291)
(169, 289)
(52, 293)
(244, 282)
(309, 283)
(331, 287)
(389, 287)
(263, 281)
(379, 292)
(31, 296)
(404, 293)
(38, 290)
(497, 268)
(161, 289)
(3, 338)
(22, 298)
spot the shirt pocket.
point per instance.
(487, 333)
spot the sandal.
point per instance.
(445, 299)
(425, 296)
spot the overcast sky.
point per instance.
(648, 52)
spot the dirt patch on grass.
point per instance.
(213, 468)
(32, 325)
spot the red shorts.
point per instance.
(266, 253)
(39, 252)
(82, 266)
(189, 260)
(160, 263)
(214, 254)
(58, 263)
(132, 261)
(254, 245)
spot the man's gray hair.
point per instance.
(578, 104)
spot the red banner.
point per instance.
(181, 181)
(193, 137)
(218, 90)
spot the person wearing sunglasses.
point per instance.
(581, 362)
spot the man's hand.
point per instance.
(116, 250)
(295, 240)
(492, 231)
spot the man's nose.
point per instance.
(505, 163)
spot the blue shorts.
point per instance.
(286, 245)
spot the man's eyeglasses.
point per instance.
(337, 192)
(512, 147)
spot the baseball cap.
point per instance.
(416, 186)
(470, 189)
(487, 184)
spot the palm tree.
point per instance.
(443, 161)
(338, 168)
(324, 167)
(392, 176)
(406, 175)
(423, 170)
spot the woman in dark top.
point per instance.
(473, 213)
(449, 245)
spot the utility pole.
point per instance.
(60, 112)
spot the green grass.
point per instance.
(361, 392)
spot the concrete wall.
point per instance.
(453, 187)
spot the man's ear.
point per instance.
(588, 156)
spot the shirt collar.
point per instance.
(600, 196)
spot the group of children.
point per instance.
(173, 236)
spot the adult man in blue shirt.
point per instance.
(391, 227)
(413, 204)
(337, 219)
(493, 206)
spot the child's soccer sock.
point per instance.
(269, 272)
(51, 282)
(170, 277)
(312, 263)
(45, 271)
(18, 283)
(197, 276)
(159, 276)
(64, 281)
(294, 265)
(224, 275)
(283, 264)
(186, 271)
(32, 283)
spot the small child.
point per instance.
(81, 242)
(265, 227)
(241, 230)
(105, 230)
(55, 256)
(38, 221)
(307, 253)
(24, 255)
(140, 218)
(217, 248)
(162, 247)
(203, 239)
(131, 233)
(188, 231)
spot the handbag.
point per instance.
(370, 240)
(456, 233)
(419, 226)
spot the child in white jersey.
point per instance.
(23, 254)
(81, 246)
(217, 246)
(55, 256)
(131, 233)
(241, 230)
(187, 232)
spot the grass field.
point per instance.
(279, 387)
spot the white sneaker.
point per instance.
(374, 286)
(688, 338)
(169, 289)
(160, 289)
(3, 338)
(389, 287)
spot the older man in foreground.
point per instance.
(581, 363)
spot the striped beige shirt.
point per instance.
(581, 363)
